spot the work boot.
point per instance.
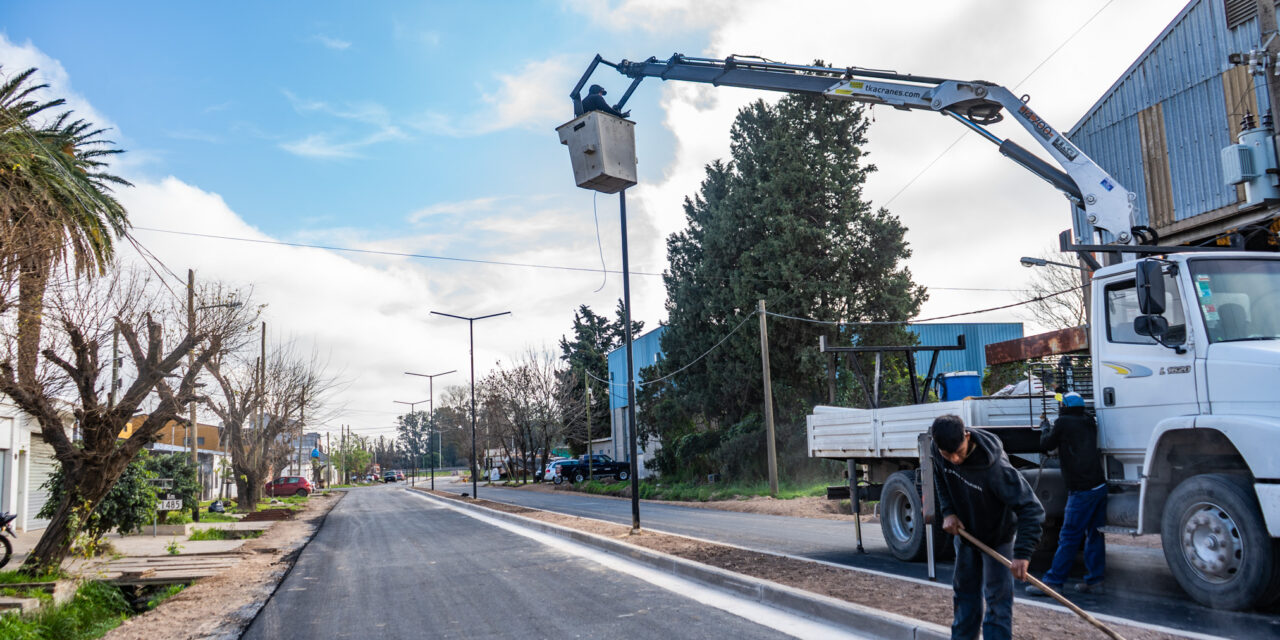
(1096, 588)
(1033, 590)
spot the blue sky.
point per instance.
(329, 114)
(429, 128)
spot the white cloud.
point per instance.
(661, 16)
(331, 43)
(331, 145)
(535, 97)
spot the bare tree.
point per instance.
(1061, 311)
(82, 319)
(526, 404)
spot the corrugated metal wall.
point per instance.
(1177, 84)
(977, 335)
(646, 348)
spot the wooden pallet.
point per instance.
(151, 570)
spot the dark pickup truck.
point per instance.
(601, 465)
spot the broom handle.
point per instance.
(1045, 588)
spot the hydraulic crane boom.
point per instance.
(975, 104)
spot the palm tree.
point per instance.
(55, 203)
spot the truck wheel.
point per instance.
(624, 475)
(901, 521)
(579, 477)
(1216, 542)
(559, 479)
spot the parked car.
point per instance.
(601, 465)
(549, 471)
(389, 476)
(288, 486)
(399, 475)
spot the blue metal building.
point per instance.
(646, 349)
(977, 335)
(1160, 129)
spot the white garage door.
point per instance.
(42, 466)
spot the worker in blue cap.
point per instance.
(1075, 435)
(595, 102)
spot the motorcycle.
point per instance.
(6, 528)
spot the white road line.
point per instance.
(760, 614)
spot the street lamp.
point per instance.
(413, 480)
(1041, 262)
(432, 407)
(471, 326)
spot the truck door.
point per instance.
(1140, 381)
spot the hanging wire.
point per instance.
(600, 245)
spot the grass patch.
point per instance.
(184, 517)
(696, 492)
(224, 534)
(95, 609)
(39, 594)
(164, 594)
(11, 577)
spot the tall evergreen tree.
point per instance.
(784, 220)
(587, 350)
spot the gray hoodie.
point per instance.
(989, 496)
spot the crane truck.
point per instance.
(1186, 341)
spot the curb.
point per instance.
(855, 617)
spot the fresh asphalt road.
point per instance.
(1139, 583)
(387, 564)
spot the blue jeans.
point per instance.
(1086, 512)
(976, 576)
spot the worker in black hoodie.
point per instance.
(595, 102)
(980, 492)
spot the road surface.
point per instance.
(1140, 586)
(387, 564)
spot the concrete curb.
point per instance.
(858, 618)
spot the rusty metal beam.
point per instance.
(1038, 346)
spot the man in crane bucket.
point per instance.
(980, 492)
(1075, 435)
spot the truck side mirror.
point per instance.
(1150, 283)
(1152, 326)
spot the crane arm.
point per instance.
(975, 104)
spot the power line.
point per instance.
(1019, 84)
(529, 265)
(923, 320)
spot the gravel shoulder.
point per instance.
(931, 603)
(222, 606)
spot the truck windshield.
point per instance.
(1239, 299)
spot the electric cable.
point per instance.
(922, 320)
(529, 265)
(599, 245)
(1019, 84)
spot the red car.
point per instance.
(288, 486)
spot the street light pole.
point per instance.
(431, 407)
(471, 327)
(631, 372)
(413, 481)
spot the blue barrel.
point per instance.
(960, 385)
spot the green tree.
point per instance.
(127, 506)
(785, 221)
(55, 202)
(178, 468)
(586, 352)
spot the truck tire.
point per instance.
(559, 479)
(624, 475)
(1216, 542)
(901, 521)
(579, 476)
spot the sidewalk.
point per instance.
(143, 544)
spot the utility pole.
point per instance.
(262, 387)
(631, 372)
(191, 363)
(115, 365)
(328, 452)
(768, 402)
(1271, 44)
(471, 326)
(586, 384)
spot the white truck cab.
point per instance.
(1185, 386)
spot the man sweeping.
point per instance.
(980, 492)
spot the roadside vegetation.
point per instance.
(224, 534)
(96, 608)
(693, 492)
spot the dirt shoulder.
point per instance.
(813, 507)
(222, 606)
(931, 603)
